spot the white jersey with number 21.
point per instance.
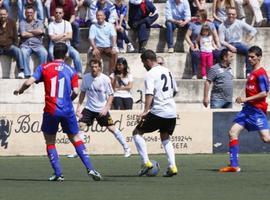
(159, 82)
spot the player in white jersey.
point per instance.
(97, 88)
(159, 112)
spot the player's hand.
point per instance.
(240, 100)
(104, 112)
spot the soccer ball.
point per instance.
(154, 171)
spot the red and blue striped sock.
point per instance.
(82, 153)
(54, 159)
(234, 150)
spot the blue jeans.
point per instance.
(170, 27)
(76, 34)
(14, 51)
(39, 8)
(8, 7)
(26, 53)
(72, 53)
(267, 9)
(220, 103)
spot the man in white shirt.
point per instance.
(159, 112)
(97, 88)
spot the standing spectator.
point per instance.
(121, 27)
(9, 40)
(69, 15)
(108, 9)
(231, 35)
(36, 3)
(177, 13)
(254, 6)
(122, 82)
(31, 32)
(102, 38)
(219, 10)
(60, 31)
(142, 14)
(192, 34)
(206, 44)
(222, 78)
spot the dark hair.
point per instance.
(60, 50)
(30, 6)
(124, 62)
(203, 14)
(205, 27)
(255, 49)
(59, 7)
(95, 61)
(223, 53)
(149, 54)
(3, 8)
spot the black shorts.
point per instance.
(89, 116)
(152, 123)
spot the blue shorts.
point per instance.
(68, 123)
(252, 119)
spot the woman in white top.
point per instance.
(122, 83)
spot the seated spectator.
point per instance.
(69, 15)
(121, 27)
(122, 82)
(206, 44)
(108, 8)
(142, 14)
(219, 10)
(192, 34)
(31, 32)
(36, 3)
(80, 13)
(222, 78)
(231, 34)
(254, 6)
(102, 38)
(60, 31)
(177, 14)
(9, 40)
(196, 5)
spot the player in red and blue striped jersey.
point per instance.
(253, 116)
(61, 88)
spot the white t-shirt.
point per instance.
(60, 28)
(123, 82)
(159, 82)
(206, 44)
(97, 91)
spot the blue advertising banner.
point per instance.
(250, 142)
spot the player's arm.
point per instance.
(80, 103)
(207, 84)
(25, 86)
(147, 104)
(75, 93)
(260, 95)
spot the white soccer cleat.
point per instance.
(127, 153)
(96, 176)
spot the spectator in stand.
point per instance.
(69, 15)
(121, 27)
(6, 5)
(192, 34)
(219, 10)
(9, 40)
(108, 9)
(31, 32)
(122, 82)
(231, 34)
(142, 14)
(222, 78)
(80, 12)
(102, 36)
(206, 44)
(60, 31)
(177, 14)
(36, 3)
(254, 6)
(267, 9)
(196, 5)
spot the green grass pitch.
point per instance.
(25, 178)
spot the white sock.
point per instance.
(167, 145)
(141, 147)
(119, 136)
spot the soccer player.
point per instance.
(61, 88)
(97, 87)
(253, 114)
(159, 112)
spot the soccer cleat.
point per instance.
(56, 178)
(96, 176)
(230, 169)
(72, 155)
(127, 153)
(171, 171)
(145, 168)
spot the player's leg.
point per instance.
(265, 135)
(234, 149)
(108, 122)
